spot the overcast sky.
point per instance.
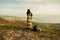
(43, 10)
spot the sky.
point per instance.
(42, 10)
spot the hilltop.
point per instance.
(12, 29)
(12, 21)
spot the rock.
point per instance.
(35, 28)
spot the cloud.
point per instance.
(12, 12)
(39, 1)
(53, 1)
(36, 6)
(8, 5)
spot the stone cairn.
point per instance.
(29, 21)
(29, 18)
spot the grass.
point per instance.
(50, 30)
(46, 31)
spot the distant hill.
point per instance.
(12, 21)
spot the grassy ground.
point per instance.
(16, 30)
(18, 33)
(50, 29)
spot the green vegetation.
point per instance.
(50, 29)
(17, 32)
